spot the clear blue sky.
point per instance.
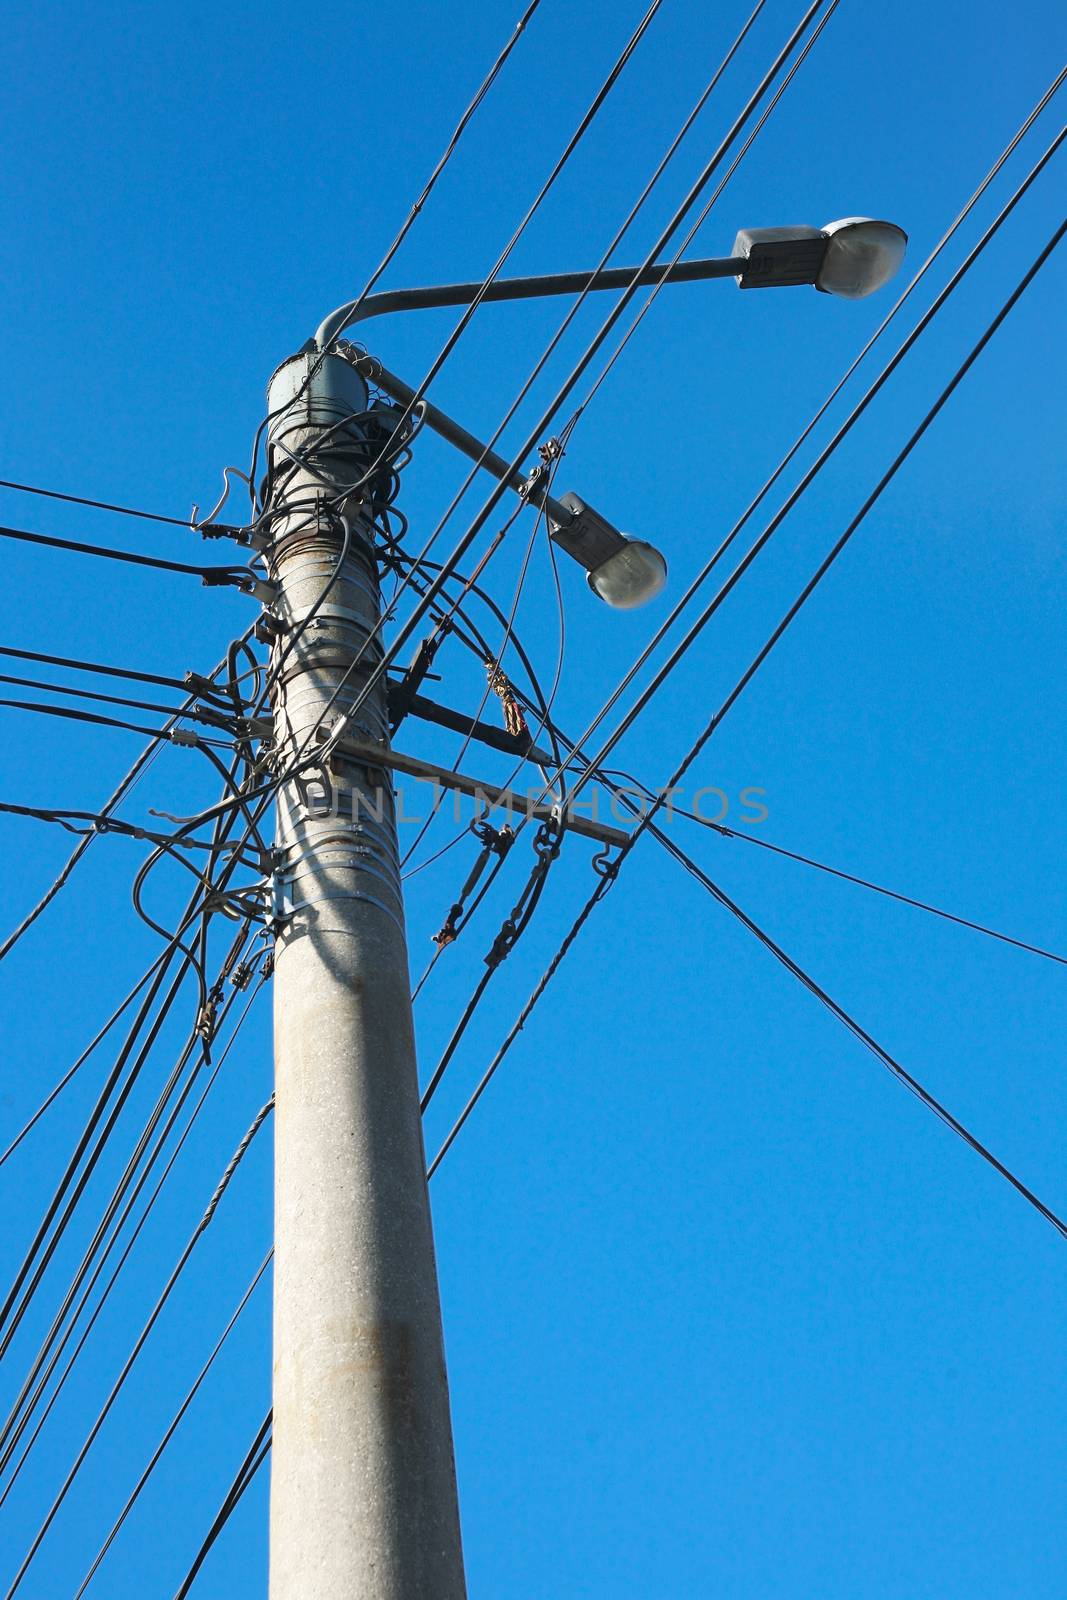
(727, 1312)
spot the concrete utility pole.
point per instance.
(363, 1488)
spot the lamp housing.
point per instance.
(850, 258)
(624, 572)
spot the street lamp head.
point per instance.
(624, 572)
(851, 258)
(861, 256)
(636, 573)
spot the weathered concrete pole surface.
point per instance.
(363, 1491)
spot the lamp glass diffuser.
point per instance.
(861, 256)
(635, 574)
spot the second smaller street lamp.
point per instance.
(623, 571)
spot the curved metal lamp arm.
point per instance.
(464, 294)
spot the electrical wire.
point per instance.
(253, 1460)
(113, 1079)
(142, 1337)
(173, 1426)
(241, 576)
(646, 819)
(124, 788)
(865, 883)
(697, 627)
(50, 1351)
(401, 235)
(434, 588)
(212, 719)
(463, 321)
(202, 686)
(99, 505)
(544, 425)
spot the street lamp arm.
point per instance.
(464, 294)
(370, 367)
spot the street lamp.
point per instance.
(851, 258)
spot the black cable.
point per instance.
(211, 719)
(450, 343)
(99, 505)
(126, 785)
(697, 627)
(543, 426)
(97, 719)
(405, 228)
(547, 846)
(854, 1027)
(113, 1079)
(881, 1054)
(86, 1053)
(253, 1460)
(301, 759)
(173, 1426)
(646, 819)
(204, 688)
(210, 575)
(493, 660)
(26, 1403)
(865, 883)
(139, 1345)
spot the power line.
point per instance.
(101, 505)
(250, 1465)
(834, 872)
(191, 684)
(97, 719)
(646, 820)
(430, 595)
(697, 627)
(15, 1425)
(544, 424)
(113, 1079)
(881, 1054)
(880, 888)
(713, 561)
(173, 1426)
(124, 788)
(204, 1222)
(241, 576)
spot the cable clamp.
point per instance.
(498, 840)
(529, 484)
(502, 944)
(448, 931)
(606, 866)
(186, 736)
(548, 838)
(207, 1019)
